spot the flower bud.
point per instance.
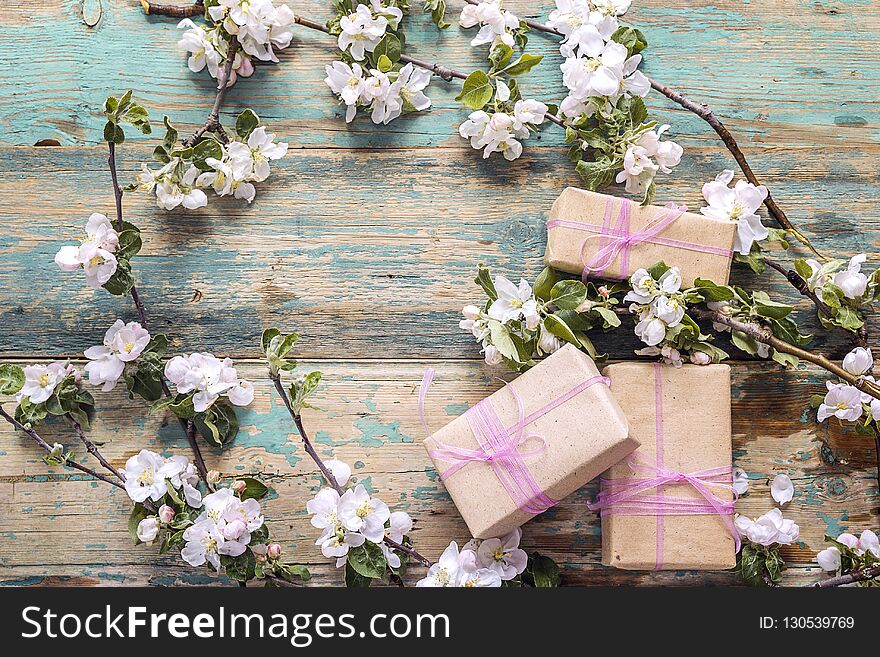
(470, 312)
(699, 358)
(273, 551)
(148, 529)
(166, 513)
(238, 486)
(233, 530)
(603, 292)
(213, 477)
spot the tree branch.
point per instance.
(174, 11)
(310, 450)
(765, 335)
(212, 123)
(850, 578)
(92, 448)
(48, 449)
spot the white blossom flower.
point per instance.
(650, 329)
(123, 343)
(410, 85)
(360, 513)
(209, 378)
(399, 525)
(458, 569)
(95, 255)
(782, 489)
(869, 542)
(571, 15)
(383, 97)
(148, 529)
(768, 529)
(347, 82)
(851, 280)
(669, 355)
(203, 543)
(548, 343)
(503, 555)
(859, 361)
(324, 509)
(829, 559)
(514, 302)
(740, 482)
(361, 32)
(645, 289)
(700, 358)
(597, 68)
(669, 310)
(146, 475)
(498, 132)
(492, 355)
(496, 23)
(841, 401)
(531, 112)
(739, 205)
(252, 158)
(229, 177)
(341, 471)
(40, 381)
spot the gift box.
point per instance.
(607, 237)
(530, 444)
(670, 504)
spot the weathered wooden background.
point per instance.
(366, 239)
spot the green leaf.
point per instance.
(113, 134)
(611, 318)
(384, 64)
(744, 343)
(29, 413)
(766, 307)
(597, 174)
(751, 565)
(11, 379)
(241, 568)
(301, 390)
(658, 269)
(786, 360)
(129, 242)
(170, 135)
(353, 579)
(218, 425)
(484, 280)
(292, 571)
(246, 123)
(389, 47)
(268, 335)
(557, 326)
(476, 91)
(568, 294)
(523, 65)
(122, 280)
(500, 55)
(712, 292)
(774, 564)
(755, 261)
(253, 488)
(632, 38)
(138, 513)
(541, 572)
(438, 12)
(368, 560)
(545, 282)
(205, 149)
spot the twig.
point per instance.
(765, 335)
(310, 450)
(45, 446)
(190, 430)
(212, 123)
(850, 578)
(174, 11)
(92, 448)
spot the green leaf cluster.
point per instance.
(277, 348)
(122, 110)
(760, 565)
(144, 376)
(129, 246)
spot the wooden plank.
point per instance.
(378, 265)
(793, 78)
(57, 528)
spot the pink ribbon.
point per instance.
(628, 497)
(617, 241)
(499, 445)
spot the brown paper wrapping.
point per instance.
(696, 436)
(585, 436)
(564, 244)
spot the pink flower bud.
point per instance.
(273, 551)
(213, 477)
(603, 292)
(166, 513)
(238, 486)
(233, 530)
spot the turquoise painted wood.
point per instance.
(366, 240)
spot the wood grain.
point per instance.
(366, 240)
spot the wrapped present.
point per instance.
(607, 237)
(670, 504)
(530, 444)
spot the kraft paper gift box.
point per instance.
(682, 419)
(530, 444)
(587, 234)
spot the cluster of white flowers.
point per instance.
(260, 27)
(829, 558)
(845, 401)
(123, 343)
(850, 281)
(484, 563)
(503, 132)
(658, 303)
(645, 156)
(362, 31)
(147, 476)
(386, 95)
(769, 529)
(209, 378)
(241, 164)
(739, 205)
(223, 528)
(349, 520)
(95, 255)
(40, 381)
(497, 25)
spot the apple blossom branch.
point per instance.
(850, 578)
(212, 123)
(328, 475)
(174, 11)
(48, 449)
(186, 425)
